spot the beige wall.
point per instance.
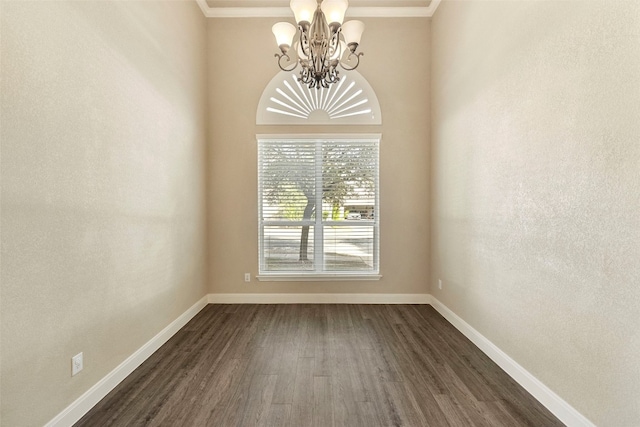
(103, 148)
(532, 187)
(536, 184)
(397, 67)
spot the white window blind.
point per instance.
(318, 206)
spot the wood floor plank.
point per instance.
(322, 355)
(456, 417)
(302, 409)
(405, 405)
(348, 369)
(279, 415)
(212, 401)
(415, 383)
(247, 331)
(308, 337)
(443, 352)
(367, 412)
(387, 411)
(345, 398)
(322, 402)
(286, 372)
(380, 360)
(236, 406)
(301, 365)
(498, 416)
(362, 338)
(425, 366)
(259, 400)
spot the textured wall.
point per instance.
(102, 110)
(239, 72)
(536, 189)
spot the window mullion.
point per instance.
(318, 232)
(261, 252)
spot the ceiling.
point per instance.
(280, 8)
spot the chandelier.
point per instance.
(319, 48)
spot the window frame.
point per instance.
(317, 223)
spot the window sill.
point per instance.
(326, 277)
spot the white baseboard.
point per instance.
(319, 299)
(91, 397)
(554, 403)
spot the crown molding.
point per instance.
(285, 12)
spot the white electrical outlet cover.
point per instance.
(76, 364)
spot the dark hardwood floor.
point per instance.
(319, 365)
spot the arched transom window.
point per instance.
(351, 101)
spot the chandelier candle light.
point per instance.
(319, 48)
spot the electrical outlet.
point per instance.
(247, 277)
(76, 364)
(439, 283)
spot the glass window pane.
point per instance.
(349, 173)
(287, 180)
(348, 248)
(288, 248)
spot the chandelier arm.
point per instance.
(357, 55)
(284, 55)
(304, 41)
(331, 75)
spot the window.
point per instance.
(351, 101)
(318, 207)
